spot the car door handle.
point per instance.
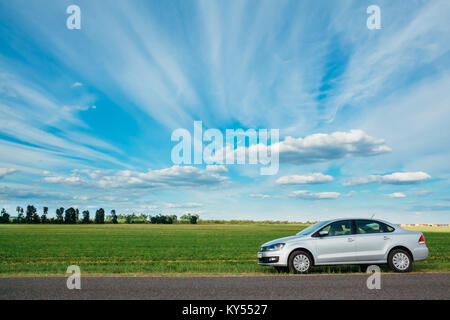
(350, 239)
(386, 238)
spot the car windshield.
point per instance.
(312, 228)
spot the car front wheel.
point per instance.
(400, 260)
(300, 262)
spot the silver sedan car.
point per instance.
(346, 241)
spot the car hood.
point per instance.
(282, 240)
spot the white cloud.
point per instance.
(6, 171)
(99, 197)
(175, 176)
(322, 147)
(308, 195)
(313, 178)
(396, 195)
(148, 207)
(72, 181)
(393, 178)
(260, 196)
(317, 147)
(77, 84)
(183, 205)
(217, 168)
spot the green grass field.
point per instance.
(162, 249)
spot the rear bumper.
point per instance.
(420, 253)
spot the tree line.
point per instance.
(72, 216)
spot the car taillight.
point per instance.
(422, 239)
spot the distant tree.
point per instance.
(163, 219)
(77, 215)
(36, 218)
(4, 217)
(20, 218)
(70, 216)
(59, 215)
(114, 217)
(100, 216)
(85, 217)
(31, 211)
(18, 210)
(130, 218)
(194, 219)
(44, 215)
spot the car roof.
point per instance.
(360, 218)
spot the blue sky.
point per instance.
(86, 115)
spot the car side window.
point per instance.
(369, 226)
(339, 228)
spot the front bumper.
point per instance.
(271, 258)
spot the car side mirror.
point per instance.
(323, 233)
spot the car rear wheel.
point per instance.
(400, 260)
(300, 262)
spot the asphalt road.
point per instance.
(393, 286)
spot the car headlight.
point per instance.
(275, 247)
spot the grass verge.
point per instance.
(164, 249)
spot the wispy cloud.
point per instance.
(6, 171)
(308, 195)
(173, 177)
(28, 194)
(183, 205)
(259, 196)
(313, 178)
(396, 195)
(35, 120)
(393, 178)
(217, 168)
(348, 101)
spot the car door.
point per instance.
(338, 246)
(372, 240)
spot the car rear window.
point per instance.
(370, 226)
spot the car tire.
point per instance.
(400, 260)
(300, 262)
(282, 269)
